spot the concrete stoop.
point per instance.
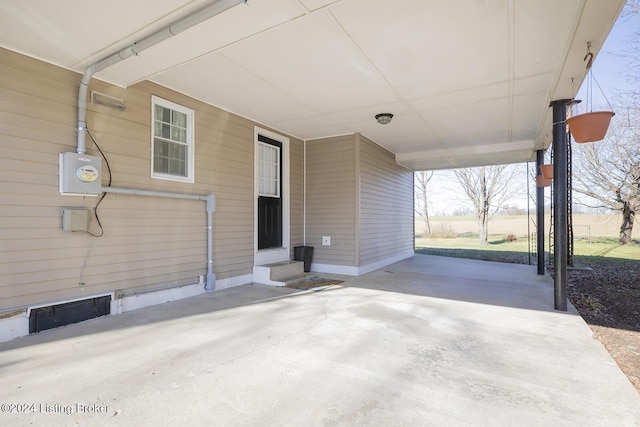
(279, 273)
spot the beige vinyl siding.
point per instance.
(148, 241)
(331, 202)
(296, 185)
(386, 205)
(224, 166)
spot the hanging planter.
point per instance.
(547, 171)
(541, 181)
(591, 126)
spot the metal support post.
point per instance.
(540, 216)
(560, 208)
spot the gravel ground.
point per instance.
(607, 297)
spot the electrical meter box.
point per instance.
(80, 174)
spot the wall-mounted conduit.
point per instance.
(171, 30)
(180, 25)
(210, 199)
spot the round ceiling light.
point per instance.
(384, 118)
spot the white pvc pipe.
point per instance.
(304, 193)
(82, 108)
(211, 208)
(171, 30)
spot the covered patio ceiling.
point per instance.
(469, 81)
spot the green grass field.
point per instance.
(594, 236)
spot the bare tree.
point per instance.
(421, 179)
(608, 172)
(632, 10)
(488, 188)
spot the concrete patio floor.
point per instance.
(426, 341)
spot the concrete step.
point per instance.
(277, 274)
(283, 270)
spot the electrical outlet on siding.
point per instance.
(326, 240)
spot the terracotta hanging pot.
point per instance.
(590, 127)
(541, 181)
(547, 171)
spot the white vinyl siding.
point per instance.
(172, 145)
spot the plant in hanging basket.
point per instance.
(547, 171)
(589, 127)
(541, 181)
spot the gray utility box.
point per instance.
(75, 219)
(80, 174)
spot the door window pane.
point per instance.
(268, 170)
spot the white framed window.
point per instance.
(172, 141)
(268, 170)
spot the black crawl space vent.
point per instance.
(44, 318)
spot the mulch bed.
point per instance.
(608, 299)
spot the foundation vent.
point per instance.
(53, 316)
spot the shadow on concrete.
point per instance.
(479, 282)
(211, 302)
(473, 281)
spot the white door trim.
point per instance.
(268, 256)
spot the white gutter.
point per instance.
(171, 30)
(211, 207)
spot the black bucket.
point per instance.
(304, 253)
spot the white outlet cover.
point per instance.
(326, 240)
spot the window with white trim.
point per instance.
(172, 141)
(268, 170)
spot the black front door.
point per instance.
(269, 222)
(269, 193)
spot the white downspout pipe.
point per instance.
(82, 108)
(171, 30)
(211, 277)
(211, 208)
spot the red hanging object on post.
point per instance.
(591, 126)
(547, 171)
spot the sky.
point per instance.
(610, 71)
(611, 66)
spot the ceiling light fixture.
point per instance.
(384, 118)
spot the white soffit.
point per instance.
(312, 60)
(468, 81)
(466, 156)
(67, 32)
(425, 48)
(202, 39)
(317, 4)
(234, 89)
